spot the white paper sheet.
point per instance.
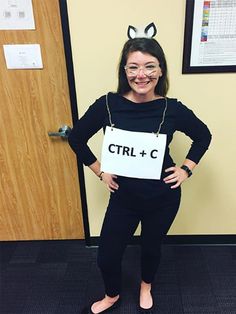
(16, 14)
(133, 154)
(27, 56)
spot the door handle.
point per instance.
(63, 132)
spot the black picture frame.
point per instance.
(187, 68)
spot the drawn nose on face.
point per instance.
(141, 72)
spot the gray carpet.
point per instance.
(55, 277)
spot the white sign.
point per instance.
(23, 56)
(133, 154)
(16, 14)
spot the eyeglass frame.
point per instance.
(143, 67)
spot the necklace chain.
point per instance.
(160, 125)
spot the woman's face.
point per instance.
(142, 72)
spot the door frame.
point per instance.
(74, 109)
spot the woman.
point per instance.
(139, 105)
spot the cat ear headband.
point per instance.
(147, 32)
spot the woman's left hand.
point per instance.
(178, 176)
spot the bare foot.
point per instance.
(146, 301)
(103, 304)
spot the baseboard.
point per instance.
(217, 239)
(203, 239)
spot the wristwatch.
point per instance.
(186, 168)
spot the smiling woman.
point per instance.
(143, 59)
(139, 123)
(143, 73)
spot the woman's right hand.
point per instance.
(109, 180)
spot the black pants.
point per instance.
(119, 225)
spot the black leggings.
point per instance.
(119, 225)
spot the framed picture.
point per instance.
(209, 37)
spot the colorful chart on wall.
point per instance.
(210, 36)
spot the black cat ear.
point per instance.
(131, 32)
(150, 30)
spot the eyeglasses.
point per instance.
(133, 70)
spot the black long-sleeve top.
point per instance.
(140, 117)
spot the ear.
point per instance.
(131, 32)
(150, 30)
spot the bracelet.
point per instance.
(100, 175)
(186, 168)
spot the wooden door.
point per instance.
(39, 189)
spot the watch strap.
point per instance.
(186, 168)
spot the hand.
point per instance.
(108, 179)
(178, 176)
